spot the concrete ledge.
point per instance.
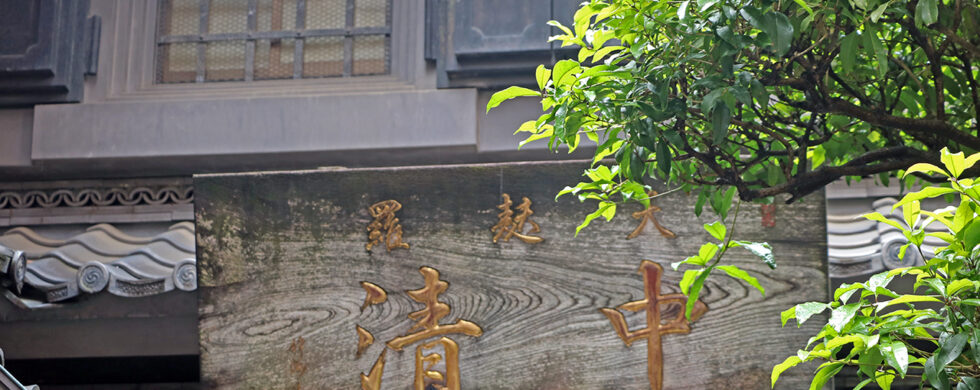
(256, 125)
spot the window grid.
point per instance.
(243, 44)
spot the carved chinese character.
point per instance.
(385, 228)
(427, 327)
(513, 226)
(651, 304)
(647, 215)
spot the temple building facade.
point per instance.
(109, 107)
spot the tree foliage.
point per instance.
(759, 97)
(764, 98)
(933, 332)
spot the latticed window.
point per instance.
(245, 40)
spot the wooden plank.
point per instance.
(281, 256)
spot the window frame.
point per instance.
(131, 35)
(299, 34)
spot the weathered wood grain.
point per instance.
(281, 256)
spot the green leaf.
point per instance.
(783, 29)
(806, 310)
(542, 74)
(950, 350)
(863, 383)
(695, 291)
(876, 216)
(925, 193)
(787, 314)
(785, 365)
(955, 162)
(897, 356)
(963, 214)
(737, 273)
(879, 11)
(721, 202)
(602, 210)
(663, 158)
(509, 93)
(957, 285)
(711, 99)
(548, 132)
(869, 361)
(969, 384)
(909, 298)
(937, 377)
(761, 249)
(926, 12)
(805, 6)
(555, 23)
(827, 371)
(564, 70)
(910, 211)
(884, 380)
(603, 52)
(529, 126)
(873, 43)
(756, 18)
(841, 316)
(716, 229)
(971, 234)
(607, 149)
(842, 340)
(971, 161)
(707, 251)
(975, 344)
(699, 204)
(609, 212)
(848, 52)
(842, 292)
(682, 10)
(925, 168)
(721, 118)
(880, 279)
(688, 279)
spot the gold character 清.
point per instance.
(427, 334)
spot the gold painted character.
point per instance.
(427, 326)
(655, 329)
(510, 226)
(647, 215)
(385, 228)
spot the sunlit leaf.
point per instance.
(509, 93)
(737, 273)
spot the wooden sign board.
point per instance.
(282, 257)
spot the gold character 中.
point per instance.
(655, 329)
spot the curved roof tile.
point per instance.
(859, 246)
(105, 258)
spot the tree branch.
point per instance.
(888, 159)
(923, 129)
